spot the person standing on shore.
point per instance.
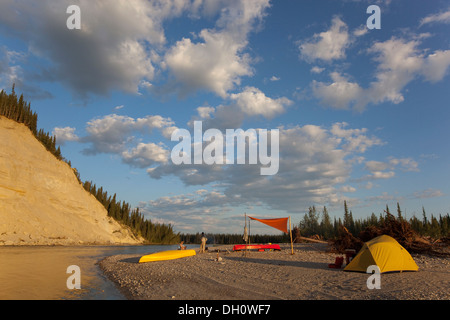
(203, 243)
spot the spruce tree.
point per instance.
(399, 212)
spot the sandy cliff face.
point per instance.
(42, 202)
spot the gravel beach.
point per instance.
(271, 275)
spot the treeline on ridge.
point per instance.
(122, 212)
(19, 110)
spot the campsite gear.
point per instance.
(385, 252)
(280, 224)
(167, 255)
(239, 247)
(349, 254)
(337, 264)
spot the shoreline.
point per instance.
(83, 244)
(270, 275)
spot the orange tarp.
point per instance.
(280, 224)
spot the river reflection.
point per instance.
(31, 273)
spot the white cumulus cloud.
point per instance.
(400, 61)
(253, 101)
(62, 135)
(328, 45)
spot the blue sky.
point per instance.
(362, 113)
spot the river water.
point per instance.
(40, 272)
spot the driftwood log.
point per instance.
(300, 238)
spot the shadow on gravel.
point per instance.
(133, 260)
(302, 264)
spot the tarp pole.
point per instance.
(246, 238)
(290, 232)
(249, 231)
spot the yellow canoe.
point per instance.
(167, 255)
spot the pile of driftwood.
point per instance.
(297, 237)
(400, 230)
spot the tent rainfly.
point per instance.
(385, 252)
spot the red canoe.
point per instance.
(259, 247)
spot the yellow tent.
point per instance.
(385, 252)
